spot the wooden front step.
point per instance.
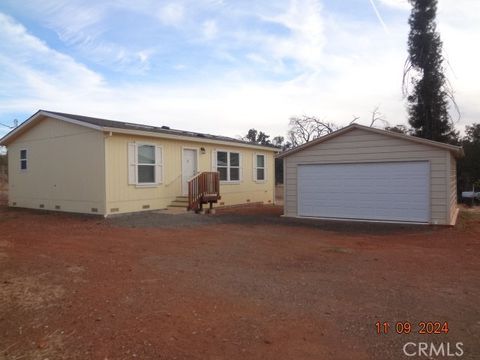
(179, 202)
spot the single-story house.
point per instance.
(363, 173)
(82, 164)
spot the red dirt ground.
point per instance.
(242, 284)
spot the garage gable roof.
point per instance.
(128, 128)
(456, 150)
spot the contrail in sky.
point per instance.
(379, 17)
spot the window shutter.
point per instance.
(158, 165)
(132, 163)
(214, 160)
(264, 167)
(254, 163)
(241, 166)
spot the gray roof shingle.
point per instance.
(149, 128)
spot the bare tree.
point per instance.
(307, 128)
(354, 120)
(377, 116)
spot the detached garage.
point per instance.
(362, 173)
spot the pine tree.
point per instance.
(429, 100)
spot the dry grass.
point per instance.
(467, 215)
(25, 294)
(28, 293)
(49, 347)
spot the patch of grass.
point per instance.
(468, 216)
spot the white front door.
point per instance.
(189, 167)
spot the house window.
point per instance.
(228, 165)
(259, 170)
(23, 159)
(146, 164)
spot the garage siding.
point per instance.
(453, 188)
(358, 146)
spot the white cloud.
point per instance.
(172, 14)
(306, 42)
(22, 53)
(209, 29)
(399, 4)
(82, 26)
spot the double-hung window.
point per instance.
(23, 159)
(259, 167)
(145, 164)
(228, 165)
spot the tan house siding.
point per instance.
(65, 168)
(122, 197)
(452, 177)
(360, 145)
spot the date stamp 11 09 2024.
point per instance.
(406, 327)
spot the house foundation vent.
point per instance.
(41, 206)
(146, 207)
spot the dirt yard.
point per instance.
(242, 284)
(3, 190)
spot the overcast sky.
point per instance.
(221, 66)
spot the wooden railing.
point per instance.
(203, 188)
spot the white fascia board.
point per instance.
(5, 140)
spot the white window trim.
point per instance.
(255, 168)
(155, 165)
(20, 160)
(240, 167)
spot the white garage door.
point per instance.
(374, 191)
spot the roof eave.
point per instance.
(188, 138)
(4, 141)
(7, 139)
(457, 150)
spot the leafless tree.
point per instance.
(307, 128)
(377, 116)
